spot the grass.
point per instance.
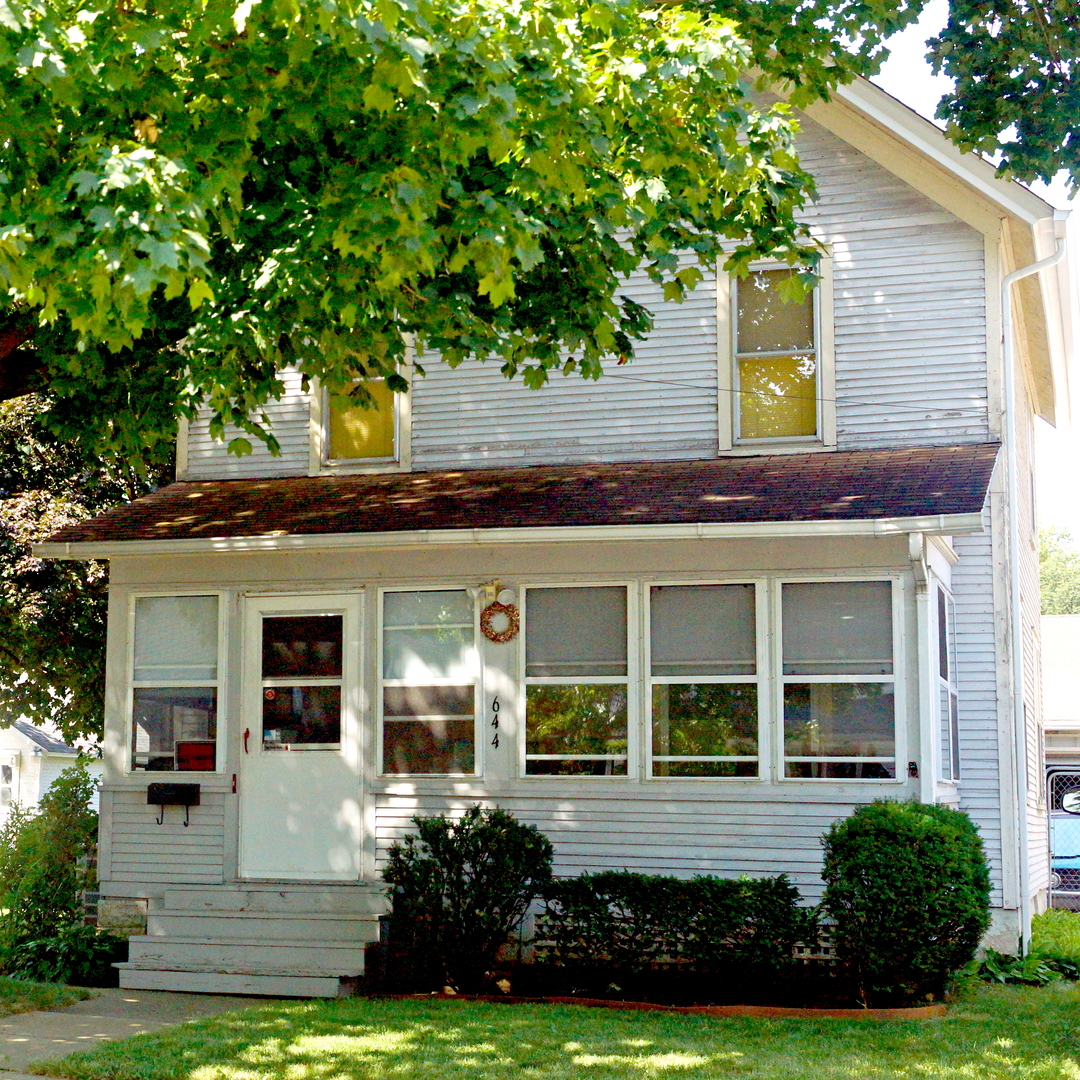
(994, 1033)
(19, 996)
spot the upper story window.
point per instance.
(347, 436)
(776, 373)
(175, 682)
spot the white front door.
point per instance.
(300, 811)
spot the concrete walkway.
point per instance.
(112, 1014)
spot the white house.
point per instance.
(1061, 690)
(31, 759)
(681, 619)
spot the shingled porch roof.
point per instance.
(856, 485)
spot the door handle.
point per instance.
(247, 733)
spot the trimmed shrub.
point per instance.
(631, 921)
(458, 889)
(908, 888)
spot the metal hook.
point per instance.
(161, 816)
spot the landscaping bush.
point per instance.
(45, 864)
(458, 890)
(632, 921)
(908, 888)
(1056, 933)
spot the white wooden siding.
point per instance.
(977, 693)
(662, 406)
(684, 835)
(288, 418)
(150, 854)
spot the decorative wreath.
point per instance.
(512, 622)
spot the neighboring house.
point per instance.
(30, 760)
(763, 575)
(1061, 690)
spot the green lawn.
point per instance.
(998, 1033)
(19, 996)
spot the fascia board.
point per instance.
(931, 524)
(881, 107)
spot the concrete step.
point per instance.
(300, 900)
(288, 957)
(223, 982)
(260, 927)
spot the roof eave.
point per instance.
(930, 524)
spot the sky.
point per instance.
(907, 76)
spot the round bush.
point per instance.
(908, 888)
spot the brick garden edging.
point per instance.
(769, 1012)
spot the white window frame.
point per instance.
(632, 680)
(947, 734)
(897, 680)
(319, 461)
(220, 683)
(727, 375)
(760, 679)
(380, 682)
(350, 606)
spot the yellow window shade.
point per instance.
(356, 432)
(777, 397)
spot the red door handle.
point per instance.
(247, 733)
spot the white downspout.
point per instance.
(1017, 622)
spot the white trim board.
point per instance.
(932, 524)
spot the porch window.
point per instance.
(356, 433)
(430, 683)
(838, 680)
(776, 361)
(948, 713)
(302, 678)
(576, 681)
(703, 684)
(175, 684)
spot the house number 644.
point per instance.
(495, 721)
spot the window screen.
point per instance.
(703, 693)
(356, 432)
(576, 664)
(430, 683)
(175, 683)
(776, 376)
(839, 699)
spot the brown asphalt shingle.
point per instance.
(839, 486)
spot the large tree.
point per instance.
(1059, 572)
(52, 614)
(194, 193)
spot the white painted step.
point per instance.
(305, 901)
(195, 954)
(216, 982)
(263, 927)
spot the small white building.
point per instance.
(31, 759)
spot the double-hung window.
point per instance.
(356, 432)
(577, 681)
(430, 683)
(776, 363)
(175, 683)
(703, 685)
(948, 713)
(838, 680)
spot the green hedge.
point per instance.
(631, 921)
(908, 888)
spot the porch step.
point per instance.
(285, 957)
(259, 926)
(303, 901)
(222, 982)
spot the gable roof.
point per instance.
(839, 487)
(46, 742)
